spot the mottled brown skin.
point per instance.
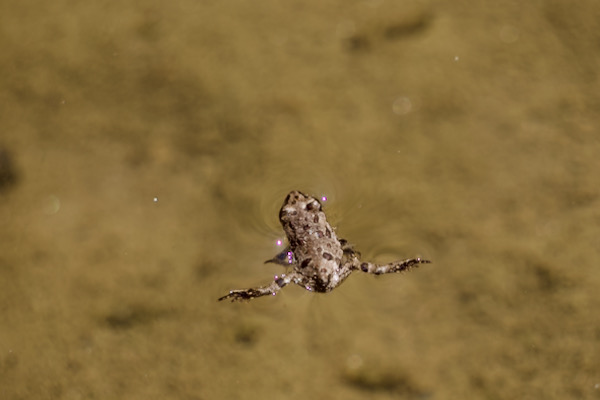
(320, 261)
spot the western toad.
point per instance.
(320, 261)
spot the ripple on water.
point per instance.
(342, 204)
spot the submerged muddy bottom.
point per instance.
(145, 153)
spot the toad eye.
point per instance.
(287, 212)
(313, 205)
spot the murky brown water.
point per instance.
(145, 151)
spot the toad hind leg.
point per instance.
(248, 294)
(396, 266)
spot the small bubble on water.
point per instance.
(402, 106)
(354, 362)
(51, 205)
(155, 199)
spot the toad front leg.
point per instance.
(393, 267)
(272, 289)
